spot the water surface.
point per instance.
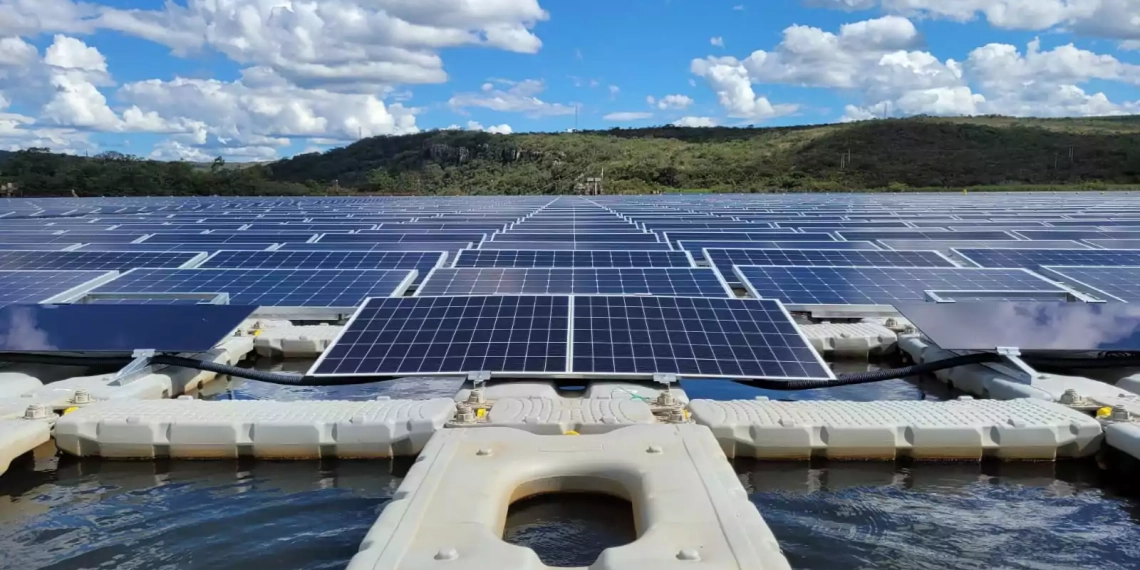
(61, 513)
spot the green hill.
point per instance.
(897, 154)
(918, 152)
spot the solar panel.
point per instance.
(448, 246)
(421, 261)
(94, 260)
(674, 237)
(160, 247)
(270, 287)
(517, 236)
(552, 258)
(243, 237)
(945, 246)
(581, 281)
(928, 234)
(697, 247)
(67, 238)
(38, 286)
(1075, 234)
(1110, 283)
(1028, 326)
(879, 285)
(375, 237)
(452, 335)
(724, 259)
(1032, 259)
(581, 246)
(104, 328)
(710, 338)
(35, 246)
(1115, 243)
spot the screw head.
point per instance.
(36, 412)
(447, 554)
(689, 554)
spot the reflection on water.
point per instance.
(60, 513)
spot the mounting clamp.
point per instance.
(137, 367)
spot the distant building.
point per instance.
(9, 189)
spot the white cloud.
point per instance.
(695, 122)
(17, 52)
(717, 41)
(518, 97)
(503, 129)
(674, 102)
(627, 116)
(738, 7)
(733, 87)
(1105, 18)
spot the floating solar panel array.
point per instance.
(634, 267)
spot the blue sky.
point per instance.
(261, 79)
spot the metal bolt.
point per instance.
(36, 412)
(666, 398)
(476, 397)
(1070, 397)
(81, 397)
(447, 554)
(891, 323)
(677, 415)
(464, 413)
(1120, 413)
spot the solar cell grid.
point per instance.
(1032, 259)
(24, 287)
(452, 335)
(711, 338)
(93, 260)
(556, 258)
(570, 281)
(1109, 283)
(928, 233)
(787, 235)
(580, 246)
(419, 260)
(878, 285)
(270, 287)
(724, 259)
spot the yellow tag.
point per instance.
(571, 432)
(480, 412)
(69, 410)
(257, 332)
(1104, 412)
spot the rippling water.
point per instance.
(61, 513)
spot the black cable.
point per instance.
(876, 375)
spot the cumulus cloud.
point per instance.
(695, 122)
(673, 102)
(503, 129)
(627, 116)
(512, 97)
(1103, 18)
(717, 41)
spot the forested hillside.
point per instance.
(898, 154)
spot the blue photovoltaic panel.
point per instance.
(22, 287)
(34, 246)
(1104, 282)
(67, 238)
(399, 237)
(518, 236)
(452, 335)
(945, 246)
(674, 237)
(1032, 259)
(269, 287)
(421, 261)
(929, 234)
(1075, 234)
(1115, 243)
(879, 285)
(580, 246)
(92, 260)
(697, 247)
(548, 258)
(118, 329)
(724, 259)
(688, 282)
(161, 247)
(448, 246)
(235, 238)
(808, 226)
(702, 338)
